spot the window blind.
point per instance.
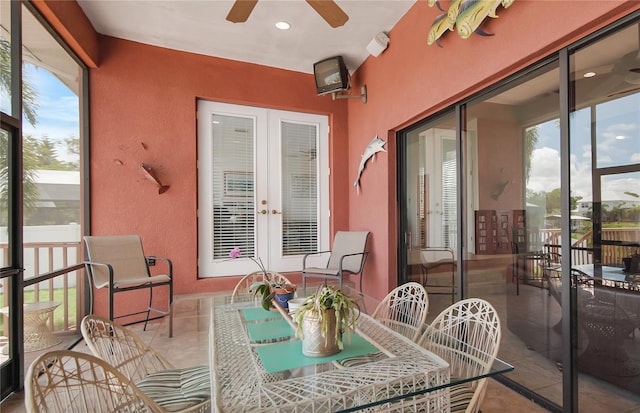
(299, 143)
(233, 185)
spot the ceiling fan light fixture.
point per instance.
(282, 25)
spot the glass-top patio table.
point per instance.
(257, 366)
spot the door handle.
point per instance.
(262, 211)
(274, 212)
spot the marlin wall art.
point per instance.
(466, 16)
(375, 146)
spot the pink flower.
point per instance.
(235, 253)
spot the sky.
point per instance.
(617, 143)
(57, 111)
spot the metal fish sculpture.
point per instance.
(439, 27)
(149, 173)
(471, 15)
(375, 146)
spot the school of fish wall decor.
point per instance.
(463, 16)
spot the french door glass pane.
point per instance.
(299, 188)
(233, 185)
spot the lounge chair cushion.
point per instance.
(177, 389)
(460, 397)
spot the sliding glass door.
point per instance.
(535, 187)
(10, 267)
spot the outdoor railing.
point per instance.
(53, 271)
(626, 240)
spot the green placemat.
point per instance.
(259, 313)
(288, 354)
(268, 330)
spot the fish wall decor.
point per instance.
(465, 16)
(439, 27)
(436, 3)
(150, 174)
(376, 145)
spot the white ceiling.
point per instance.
(199, 26)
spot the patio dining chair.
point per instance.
(174, 389)
(118, 263)
(431, 259)
(608, 321)
(70, 381)
(348, 256)
(467, 335)
(404, 310)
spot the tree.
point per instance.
(530, 142)
(612, 212)
(29, 95)
(554, 201)
(29, 107)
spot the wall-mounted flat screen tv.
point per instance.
(331, 75)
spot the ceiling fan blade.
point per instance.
(241, 10)
(624, 92)
(329, 11)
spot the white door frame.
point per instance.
(267, 188)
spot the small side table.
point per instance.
(37, 334)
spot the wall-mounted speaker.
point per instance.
(378, 44)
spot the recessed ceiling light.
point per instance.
(589, 74)
(620, 137)
(283, 25)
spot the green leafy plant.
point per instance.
(327, 298)
(263, 289)
(268, 289)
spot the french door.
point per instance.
(263, 188)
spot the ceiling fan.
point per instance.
(327, 9)
(624, 76)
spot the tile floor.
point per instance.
(188, 347)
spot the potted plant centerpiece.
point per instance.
(268, 290)
(270, 287)
(323, 319)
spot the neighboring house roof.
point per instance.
(57, 186)
(59, 192)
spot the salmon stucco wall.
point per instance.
(143, 107)
(411, 80)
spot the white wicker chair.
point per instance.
(467, 335)
(184, 390)
(69, 381)
(257, 276)
(404, 310)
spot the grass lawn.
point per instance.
(58, 314)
